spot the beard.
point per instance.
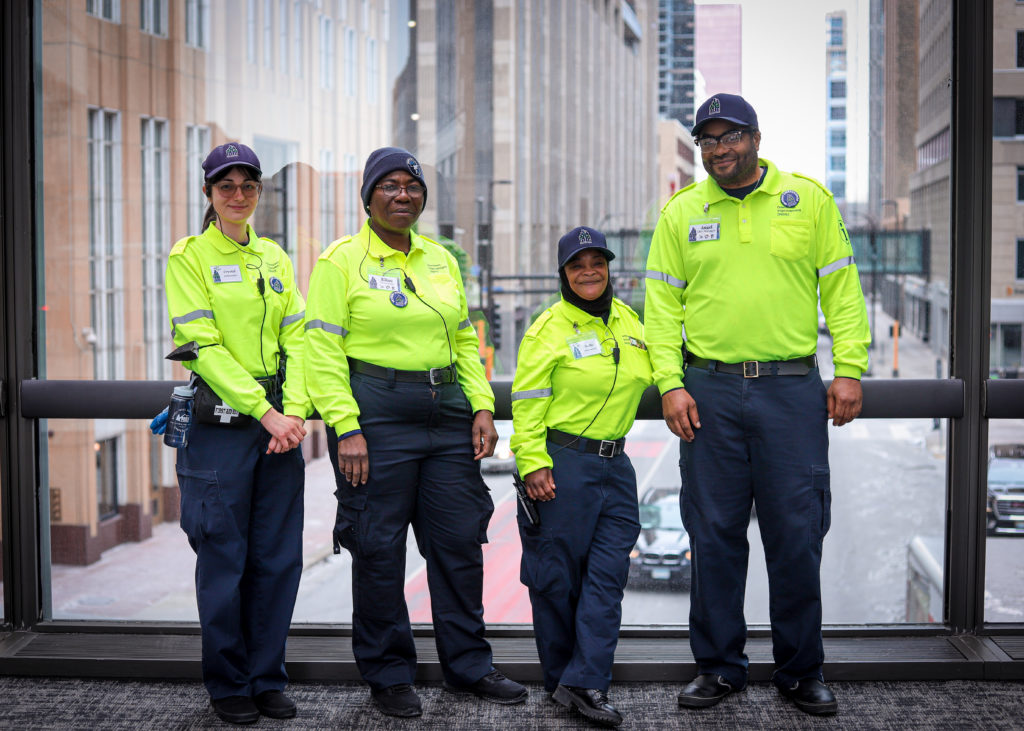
(742, 172)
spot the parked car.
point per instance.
(661, 557)
(502, 460)
(1005, 513)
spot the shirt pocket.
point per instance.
(790, 240)
(446, 289)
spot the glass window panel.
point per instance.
(1004, 550)
(441, 89)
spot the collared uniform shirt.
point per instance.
(565, 373)
(739, 279)
(213, 298)
(361, 307)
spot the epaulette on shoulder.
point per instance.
(813, 180)
(181, 244)
(677, 193)
(334, 245)
(542, 320)
(627, 308)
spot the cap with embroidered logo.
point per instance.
(580, 238)
(229, 155)
(728, 107)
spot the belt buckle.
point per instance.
(750, 369)
(437, 376)
(606, 448)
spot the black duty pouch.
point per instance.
(209, 408)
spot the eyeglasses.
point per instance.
(413, 190)
(227, 189)
(729, 139)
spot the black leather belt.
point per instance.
(435, 376)
(756, 369)
(602, 447)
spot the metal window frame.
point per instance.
(968, 399)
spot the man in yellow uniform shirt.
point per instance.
(734, 274)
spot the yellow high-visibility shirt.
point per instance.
(360, 306)
(566, 378)
(213, 298)
(739, 279)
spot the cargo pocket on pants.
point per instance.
(346, 522)
(821, 501)
(199, 499)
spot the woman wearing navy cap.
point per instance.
(393, 368)
(236, 312)
(582, 369)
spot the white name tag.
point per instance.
(704, 231)
(226, 273)
(584, 347)
(379, 281)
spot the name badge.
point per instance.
(705, 231)
(584, 345)
(224, 273)
(379, 281)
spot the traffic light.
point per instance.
(496, 326)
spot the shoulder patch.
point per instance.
(817, 184)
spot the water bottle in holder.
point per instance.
(179, 417)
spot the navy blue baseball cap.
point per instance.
(229, 155)
(386, 160)
(729, 107)
(580, 238)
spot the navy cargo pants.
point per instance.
(241, 509)
(422, 472)
(762, 439)
(576, 564)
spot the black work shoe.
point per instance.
(235, 709)
(592, 703)
(275, 704)
(493, 687)
(398, 700)
(811, 696)
(704, 691)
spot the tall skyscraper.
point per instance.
(836, 127)
(676, 50)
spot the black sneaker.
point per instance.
(235, 709)
(398, 700)
(493, 687)
(275, 704)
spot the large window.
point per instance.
(153, 17)
(197, 23)
(155, 151)
(105, 335)
(197, 145)
(106, 9)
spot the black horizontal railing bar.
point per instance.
(67, 399)
(1004, 398)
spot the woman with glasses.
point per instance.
(393, 368)
(237, 313)
(581, 371)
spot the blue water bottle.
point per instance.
(179, 417)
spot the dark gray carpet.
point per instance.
(45, 703)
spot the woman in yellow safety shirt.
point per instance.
(393, 368)
(581, 371)
(234, 305)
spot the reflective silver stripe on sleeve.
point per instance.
(194, 315)
(332, 329)
(464, 324)
(666, 278)
(835, 266)
(536, 393)
(286, 321)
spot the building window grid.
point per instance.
(196, 147)
(298, 42)
(107, 470)
(328, 197)
(105, 9)
(105, 249)
(282, 36)
(197, 23)
(372, 71)
(1020, 183)
(155, 237)
(250, 31)
(1020, 49)
(327, 60)
(153, 17)
(350, 61)
(268, 33)
(1020, 260)
(351, 192)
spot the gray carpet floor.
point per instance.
(49, 703)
